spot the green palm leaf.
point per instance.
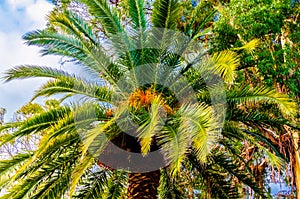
(107, 16)
(165, 14)
(248, 95)
(226, 63)
(74, 86)
(151, 127)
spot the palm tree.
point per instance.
(142, 76)
(2, 113)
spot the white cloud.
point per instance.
(36, 12)
(15, 4)
(19, 3)
(16, 52)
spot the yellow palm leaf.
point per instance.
(225, 63)
(250, 46)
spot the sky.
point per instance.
(18, 17)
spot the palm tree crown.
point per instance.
(154, 99)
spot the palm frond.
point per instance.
(28, 71)
(116, 185)
(234, 169)
(106, 15)
(250, 46)
(74, 86)
(226, 63)
(49, 149)
(165, 14)
(268, 145)
(151, 127)
(198, 122)
(91, 56)
(276, 159)
(137, 14)
(95, 139)
(256, 118)
(169, 188)
(199, 21)
(93, 185)
(174, 144)
(55, 186)
(37, 124)
(8, 167)
(49, 40)
(5, 165)
(196, 127)
(32, 177)
(219, 172)
(72, 24)
(213, 181)
(138, 20)
(84, 163)
(247, 95)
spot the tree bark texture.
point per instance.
(143, 185)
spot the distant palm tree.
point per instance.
(142, 72)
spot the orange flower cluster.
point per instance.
(141, 98)
(109, 113)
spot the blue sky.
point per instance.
(16, 18)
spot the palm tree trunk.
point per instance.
(208, 188)
(143, 185)
(258, 171)
(297, 162)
